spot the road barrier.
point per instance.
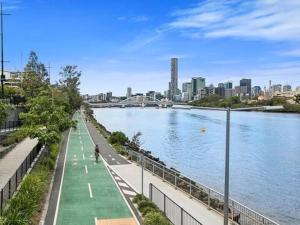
(238, 213)
(176, 214)
(13, 183)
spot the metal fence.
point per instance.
(238, 213)
(12, 185)
(176, 214)
(10, 126)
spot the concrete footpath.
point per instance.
(131, 174)
(12, 160)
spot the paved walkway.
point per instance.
(88, 193)
(131, 174)
(12, 160)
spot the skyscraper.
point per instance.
(198, 87)
(174, 78)
(129, 92)
(246, 87)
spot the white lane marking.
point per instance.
(122, 184)
(118, 178)
(90, 190)
(109, 155)
(127, 192)
(86, 170)
(81, 148)
(118, 163)
(113, 159)
(83, 157)
(75, 163)
(105, 159)
(91, 156)
(80, 142)
(75, 156)
(62, 178)
(96, 220)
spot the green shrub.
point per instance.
(120, 149)
(12, 138)
(118, 137)
(147, 210)
(138, 198)
(146, 204)
(156, 218)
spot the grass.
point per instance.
(13, 138)
(27, 203)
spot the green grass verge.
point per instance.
(25, 205)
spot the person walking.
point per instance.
(97, 152)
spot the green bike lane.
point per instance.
(87, 190)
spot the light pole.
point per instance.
(227, 148)
(142, 165)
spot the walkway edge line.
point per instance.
(61, 181)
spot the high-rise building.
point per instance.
(187, 91)
(173, 86)
(256, 90)
(287, 88)
(198, 87)
(276, 88)
(129, 92)
(108, 96)
(245, 87)
(228, 85)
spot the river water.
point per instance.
(264, 157)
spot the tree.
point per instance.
(69, 82)
(35, 76)
(118, 137)
(3, 112)
(136, 141)
(297, 98)
(45, 119)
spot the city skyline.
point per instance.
(210, 38)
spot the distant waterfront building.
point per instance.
(187, 91)
(287, 88)
(198, 88)
(210, 90)
(129, 92)
(220, 90)
(245, 88)
(298, 89)
(109, 96)
(228, 85)
(256, 90)
(228, 93)
(151, 95)
(12, 79)
(173, 85)
(276, 88)
(237, 90)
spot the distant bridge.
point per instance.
(135, 101)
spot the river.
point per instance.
(264, 157)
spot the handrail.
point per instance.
(240, 214)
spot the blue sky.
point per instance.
(119, 43)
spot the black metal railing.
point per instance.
(13, 183)
(175, 213)
(10, 126)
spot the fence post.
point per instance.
(163, 174)
(190, 188)
(181, 215)
(150, 191)
(208, 200)
(17, 179)
(232, 211)
(9, 186)
(164, 204)
(175, 181)
(153, 168)
(1, 208)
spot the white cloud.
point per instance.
(258, 19)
